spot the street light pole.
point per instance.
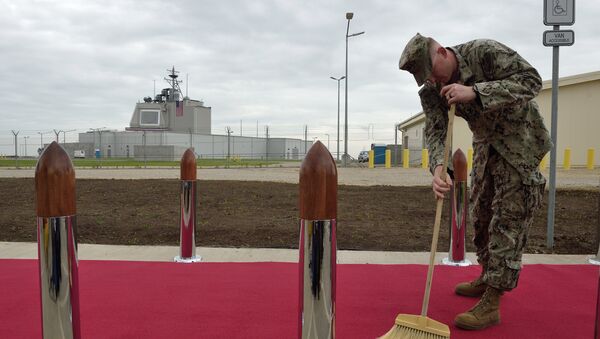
(65, 135)
(327, 141)
(349, 16)
(42, 139)
(338, 121)
(16, 143)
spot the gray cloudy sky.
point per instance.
(84, 64)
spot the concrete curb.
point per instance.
(22, 250)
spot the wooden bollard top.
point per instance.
(318, 185)
(55, 183)
(188, 165)
(459, 161)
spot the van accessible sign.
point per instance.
(559, 12)
(559, 38)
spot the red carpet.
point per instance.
(259, 300)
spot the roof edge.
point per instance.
(415, 119)
(572, 80)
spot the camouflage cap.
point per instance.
(416, 59)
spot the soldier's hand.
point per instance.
(440, 188)
(457, 93)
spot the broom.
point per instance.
(420, 326)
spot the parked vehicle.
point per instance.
(79, 154)
(363, 156)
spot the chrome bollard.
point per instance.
(188, 201)
(459, 206)
(597, 327)
(596, 260)
(57, 244)
(317, 259)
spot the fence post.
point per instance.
(317, 257)
(597, 328)
(596, 261)
(187, 219)
(405, 158)
(57, 243)
(371, 159)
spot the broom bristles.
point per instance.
(410, 326)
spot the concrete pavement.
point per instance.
(576, 178)
(22, 250)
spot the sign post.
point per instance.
(556, 13)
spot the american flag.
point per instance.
(179, 109)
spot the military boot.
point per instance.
(485, 313)
(474, 288)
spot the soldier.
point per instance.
(492, 87)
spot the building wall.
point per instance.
(203, 120)
(135, 117)
(416, 139)
(71, 147)
(196, 117)
(462, 138)
(578, 120)
(413, 138)
(217, 145)
(182, 123)
(288, 148)
(294, 148)
(159, 152)
(122, 144)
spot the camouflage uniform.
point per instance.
(509, 141)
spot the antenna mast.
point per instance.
(173, 81)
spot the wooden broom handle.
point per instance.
(438, 212)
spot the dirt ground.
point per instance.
(265, 214)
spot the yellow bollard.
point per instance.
(590, 158)
(405, 158)
(544, 162)
(388, 158)
(469, 159)
(371, 159)
(567, 159)
(425, 158)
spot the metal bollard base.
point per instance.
(449, 262)
(594, 260)
(189, 260)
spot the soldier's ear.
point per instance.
(443, 51)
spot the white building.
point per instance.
(164, 127)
